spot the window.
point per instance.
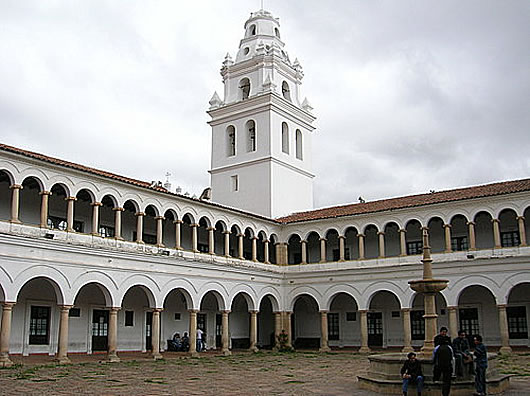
(106, 231)
(129, 318)
(252, 30)
(414, 247)
(277, 32)
(286, 92)
(230, 140)
(285, 138)
(517, 324)
(251, 136)
(177, 315)
(299, 153)
(459, 243)
(234, 181)
(201, 247)
(510, 238)
(351, 316)
(39, 325)
(244, 88)
(336, 254)
(246, 50)
(58, 223)
(333, 326)
(74, 313)
(417, 325)
(396, 314)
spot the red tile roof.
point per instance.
(410, 201)
(82, 168)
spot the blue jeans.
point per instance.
(418, 381)
(480, 379)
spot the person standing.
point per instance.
(443, 365)
(199, 339)
(481, 364)
(463, 356)
(412, 374)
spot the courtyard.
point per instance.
(243, 373)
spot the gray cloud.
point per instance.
(410, 96)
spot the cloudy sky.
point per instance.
(410, 96)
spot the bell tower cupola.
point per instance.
(261, 129)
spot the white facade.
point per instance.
(261, 130)
(104, 255)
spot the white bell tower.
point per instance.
(261, 129)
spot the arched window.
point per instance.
(286, 92)
(231, 140)
(299, 153)
(285, 138)
(277, 32)
(244, 88)
(252, 30)
(251, 136)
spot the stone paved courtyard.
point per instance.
(301, 373)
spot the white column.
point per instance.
(155, 334)
(45, 195)
(254, 249)
(324, 347)
(361, 246)
(496, 233)
(95, 217)
(503, 327)
(194, 228)
(70, 213)
(62, 350)
(448, 247)
(225, 335)
(364, 331)
(288, 329)
(253, 331)
(341, 248)
(277, 328)
(303, 246)
(381, 235)
(402, 242)
(117, 222)
(193, 332)
(522, 231)
(240, 246)
(5, 334)
(472, 239)
(407, 332)
(266, 251)
(178, 241)
(453, 323)
(15, 202)
(211, 240)
(139, 226)
(159, 231)
(227, 243)
(112, 354)
(323, 257)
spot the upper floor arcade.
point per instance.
(48, 198)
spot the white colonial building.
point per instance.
(95, 262)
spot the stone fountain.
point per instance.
(383, 374)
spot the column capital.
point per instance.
(193, 311)
(16, 187)
(160, 218)
(304, 241)
(194, 225)
(96, 204)
(65, 307)
(363, 311)
(240, 235)
(447, 226)
(323, 311)
(225, 311)
(380, 233)
(495, 220)
(266, 241)
(501, 306)
(360, 235)
(177, 222)
(226, 232)
(342, 236)
(118, 209)
(138, 214)
(158, 310)
(253, 311)
(470, 223)
(520, 218)
(254, 238)
(452, 307)
(210, 229)
(114, 309)
(406, 309)
(424, 228)
(8, 305)
(45, 193)
(71, 199)
(404, 231)
(323, 239)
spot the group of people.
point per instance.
(180, 344)
(444, 353)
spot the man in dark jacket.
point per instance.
(463, 356)
(443, 365)
(481, 364)
(412, 374)
(442, 336)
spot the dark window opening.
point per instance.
(74, 313)
(417, 325)
(129, 318)
(459, 244)
(517, 324)
(510, 238)
(351, 316)
(106, 231)
(414, 247)
(58, 223)
(39, 325)
(333, 326)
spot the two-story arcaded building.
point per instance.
(92, 261)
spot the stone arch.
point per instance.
(9, 175)
(185, 287)
(509, 283)
(218, 290)
(247, 293)
(335, 290)
(146, 283)
(273, 296)
(105, 283)
(57, 280)
(369, 292)
(299, 291)
(461, 284)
